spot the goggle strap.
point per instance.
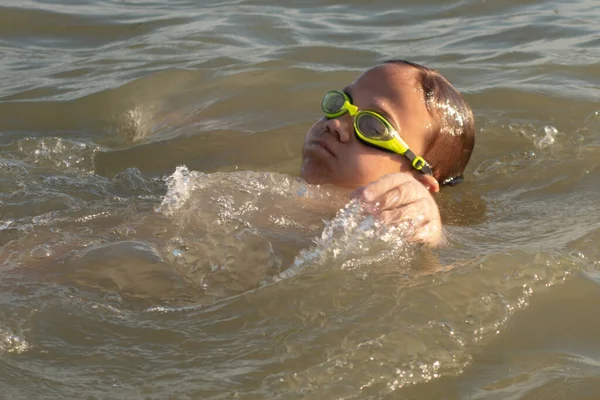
(418, 163)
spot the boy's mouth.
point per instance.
(323, 144)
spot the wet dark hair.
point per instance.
(453, 134)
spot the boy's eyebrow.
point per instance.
(386, 115)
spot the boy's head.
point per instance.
(427, 112)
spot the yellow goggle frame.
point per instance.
(389, 140)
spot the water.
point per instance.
(156, 243)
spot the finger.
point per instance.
(423, 214)
(411, 193)
(430, 234)
(403, 214)
(417, 229)
(388, 182)
(408, 194)
(419, 212)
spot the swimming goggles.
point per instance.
(371, 127)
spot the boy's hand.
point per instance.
(400, 197)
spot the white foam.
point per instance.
(549, 138)
(180, 186)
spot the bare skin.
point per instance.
(401, 197)
(389, 186)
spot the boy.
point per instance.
(398, 131)
(430, 137)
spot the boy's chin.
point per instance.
(315, 173)
(313, 179)
(312, 172)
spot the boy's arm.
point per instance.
(400, 197)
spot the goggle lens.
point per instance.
(372, 127)
(333, 102)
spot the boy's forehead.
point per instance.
(394, 91)
(392, 81)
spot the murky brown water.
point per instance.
(124, 277)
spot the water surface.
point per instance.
(156, 242)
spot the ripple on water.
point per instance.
(346, 324)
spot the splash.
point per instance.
(350, 239)
(180, 186)
(11, 343)
(56, 152)
(541, 140)
(135, 123)
(354, 238)
(548, 139)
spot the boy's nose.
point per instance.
(341, 126)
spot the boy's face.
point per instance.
(333, 154)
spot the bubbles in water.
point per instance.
(283, 221)
(578, 255)
(125, 231)
(177, 247)
(177, 252)
(160, 232)
(40, 252)
(113, 298)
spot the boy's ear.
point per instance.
(429, 182)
